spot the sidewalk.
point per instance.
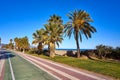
(60, 71)
(2, 61)
(23, 70)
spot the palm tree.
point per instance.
(78, 25)
(54, 30)
(54, 19)
(54, 37)
(10, 45)
(25, 43)
(16, 43)
(39, 38)
(11, 40)
(51, 35)
(22, 44)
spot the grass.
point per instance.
(108, 68)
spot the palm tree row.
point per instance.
(21, 44)
(10, 45)
(52, 33)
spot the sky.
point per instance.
(19, 18)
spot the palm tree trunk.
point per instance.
(78, 48)
(52, 50)
(49, 47)
(23, 50)
(40, 47)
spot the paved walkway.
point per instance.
(61, 72)
(17, 68)
(2, 61)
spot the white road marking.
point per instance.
(40, 67)
(58, 71)
(1, 66)
(11, 69)
(83, 73)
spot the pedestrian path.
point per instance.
(18, 68)
(60, 71)
(2, 61)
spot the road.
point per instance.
(17, 68)
(2, 61)
(27, 67)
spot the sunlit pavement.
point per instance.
(2, 61)
(20, 66)
(17, 68)
(62, 72)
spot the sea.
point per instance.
(75, 49)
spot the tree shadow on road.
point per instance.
(6, 54)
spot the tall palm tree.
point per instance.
(22, 44)
(17, 43)
(54, 19)
(11, 46)
(51, 35)
(11, 40)
(25, 43)
(78, 25)
(39, 38)
(54, 30)
(54, 37)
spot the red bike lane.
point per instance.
(2, 65)
(62, 72)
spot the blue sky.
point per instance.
(19, 18)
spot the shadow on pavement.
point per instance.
(6, 54)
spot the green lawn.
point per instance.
(109, 68)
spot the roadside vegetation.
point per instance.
(79, 25)
(105, 67)
(20, 44)
(104, 59)
(10, 45)
(51, 35)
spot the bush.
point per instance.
(115, 53)
(46, 52)
(32, 51)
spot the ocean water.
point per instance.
(74, 49)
